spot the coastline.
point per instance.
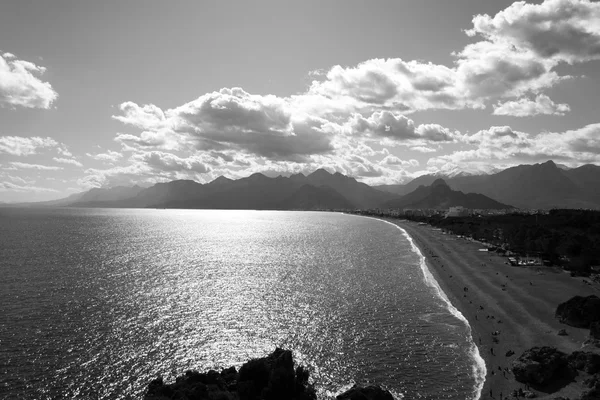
(509, 309)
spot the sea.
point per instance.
(95, 303)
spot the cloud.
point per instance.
(397, 127)
(108, 156)
(149, 167)
(167, 140)
(147, 117)
(483, 71)
(12, 187)
(136, 172)
(494, 70)
(502, 144)
(24, 146)
(20, 85)
(239, 133)
(21, 165)
(63, 151)
(69, 161)
(558, 30)
(525, 107)
(517, 52)
(94, 180)
(423, 149)
(171, 163)
(394, 84)
(230, 119)
(347, 109)
(393, 160)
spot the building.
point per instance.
(458, 211)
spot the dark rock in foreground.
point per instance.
(595, 330)
(268, 378)
(584, 361)
(594, 393)
(543, 366)
(579, 311)
(539, 365)
(367, 393)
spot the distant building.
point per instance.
(413, 212)
(458, 211)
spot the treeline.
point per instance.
(570, 238)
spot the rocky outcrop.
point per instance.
(584, 361)
(539, 365)
(366, 393)
(594, 384)
(579, 311)
(269, 378)
(595, 330)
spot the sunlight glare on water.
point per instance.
(96, 303)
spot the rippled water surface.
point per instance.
(96, 303)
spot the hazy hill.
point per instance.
(534, 186)
(54, 203)
(254, 192)
(545, 185)
(261, 192)
(423, 180)
(440, 196)
(359, 194)
(319, 190)
(310, 197)
(111, 194)
(92, 196)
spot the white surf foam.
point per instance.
(479, 367)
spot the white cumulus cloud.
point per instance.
(21, 86)
(559, 30)
(541, 105)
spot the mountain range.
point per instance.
(319, 190)
(440, 196)
(542, 186)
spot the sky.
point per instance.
(101, 94)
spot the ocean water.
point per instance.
(95, 303)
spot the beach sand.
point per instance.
(518, 303)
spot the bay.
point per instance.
(94, 303)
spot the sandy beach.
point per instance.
(509, 308)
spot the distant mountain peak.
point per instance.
(440, 196)
(256, 176)
(549, 164)
(439, 182)
(220, 180)
(320, 172)
(544, 185)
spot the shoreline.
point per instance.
(480, 366)
(434, 281)
(508, 308)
